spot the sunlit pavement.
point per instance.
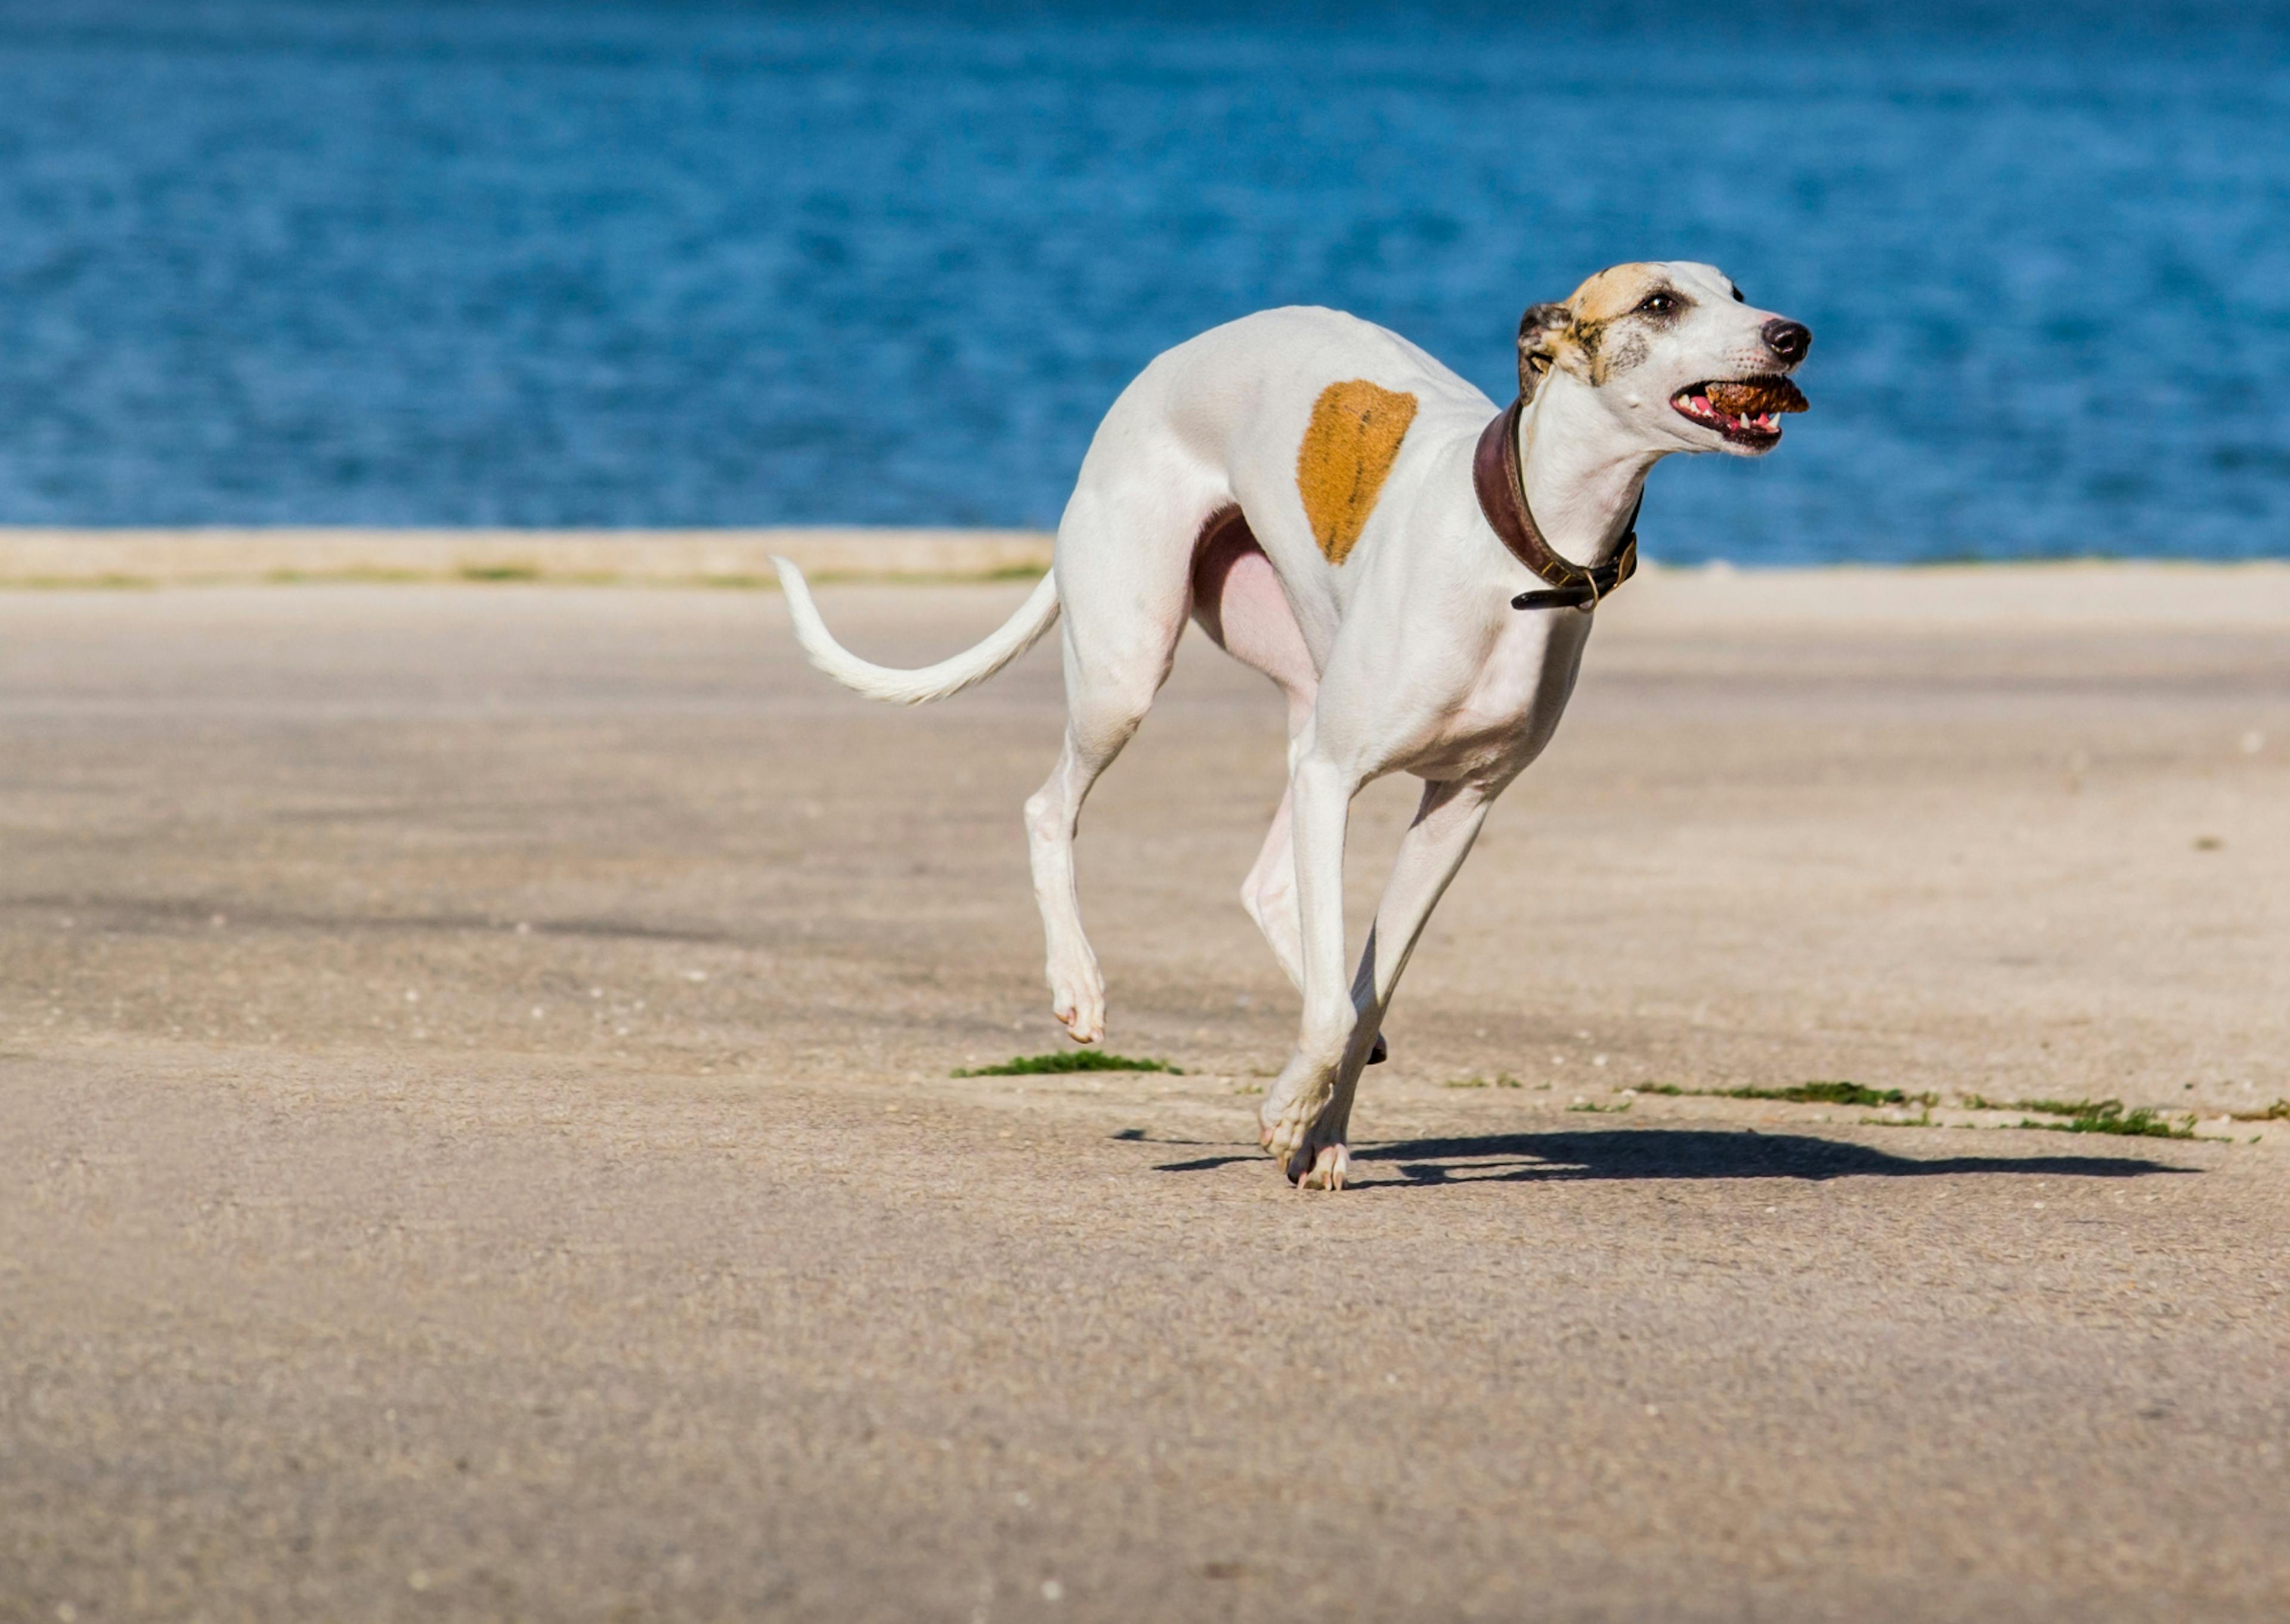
(480, 1141)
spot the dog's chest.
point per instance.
(1512, 702)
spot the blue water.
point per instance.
(665, 265)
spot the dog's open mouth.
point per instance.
(1747, 410)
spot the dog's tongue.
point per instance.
(1756, 395)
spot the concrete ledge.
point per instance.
(2139, 594)
(34, 558)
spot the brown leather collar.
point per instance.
(1502, 498)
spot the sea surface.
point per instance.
(620, 264)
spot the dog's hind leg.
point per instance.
(1269, 894)
(1095, 732)
(1125, 610)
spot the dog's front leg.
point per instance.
(1447, 820)
(1296, 1108)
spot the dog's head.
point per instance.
(1675, 352)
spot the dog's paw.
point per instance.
(1078, 999)
(1331, 1164)
(1083, 1023)
(1292, 1124)
(1282, 1125)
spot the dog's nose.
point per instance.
(1787, 339)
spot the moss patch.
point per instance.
(1066, 1060)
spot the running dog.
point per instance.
(1338, 510)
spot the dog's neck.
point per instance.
(1581, 482)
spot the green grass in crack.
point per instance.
(2044, 1108)
(1802, 1093)
(2090, 1116)
(1066, 1059)
(2108, 1116)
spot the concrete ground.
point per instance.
(480, 1138)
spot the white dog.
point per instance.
(1336, 509)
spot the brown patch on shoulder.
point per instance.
(1348, 449)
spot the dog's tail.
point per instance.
(1018, 634)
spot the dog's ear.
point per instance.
(1539, 330)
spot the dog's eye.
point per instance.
(1659, 304)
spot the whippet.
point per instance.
(1339, 511)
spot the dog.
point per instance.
(1335, 508)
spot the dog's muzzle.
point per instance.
(1746, 410)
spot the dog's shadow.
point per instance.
(1672, 1153)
